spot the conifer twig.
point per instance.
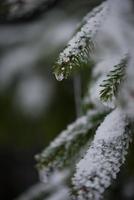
(104, 158)
(80, 48)
(110, 86)
(66, 148)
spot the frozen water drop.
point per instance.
(59, 77)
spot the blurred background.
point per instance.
(34, 107)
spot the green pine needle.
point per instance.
(114, 79)
(66, 152)
(80, 49)
(75, 62)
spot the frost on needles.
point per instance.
(79, 49)
(111, 83)
(66, 148)
(103, 159)
(110, 86)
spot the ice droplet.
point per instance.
(59, 77)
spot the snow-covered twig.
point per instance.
(55, 189)
(110, 86)
(103, 159)
(65, 149)
(77, 53)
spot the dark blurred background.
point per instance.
(34, 107)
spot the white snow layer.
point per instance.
(103, 159)
(67, 138)
(79, 41)
(56, 188)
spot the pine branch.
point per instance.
(55, 189)
(36, 192)
(79, 50)
(104, 158)
(66, 148)
(91, 14)
(111, 85)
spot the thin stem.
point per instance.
(77, 94)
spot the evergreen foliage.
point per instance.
(96, 168)
(79, 50)
(67, 147)
(111, 85)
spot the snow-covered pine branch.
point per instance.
(107, 78)
(36, 191)
(79, 49)
(66, 148)
(106, 154)
(104, 158)
(55, 189)
(110, 85)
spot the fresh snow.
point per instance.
(102, 161)
(79, 41)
